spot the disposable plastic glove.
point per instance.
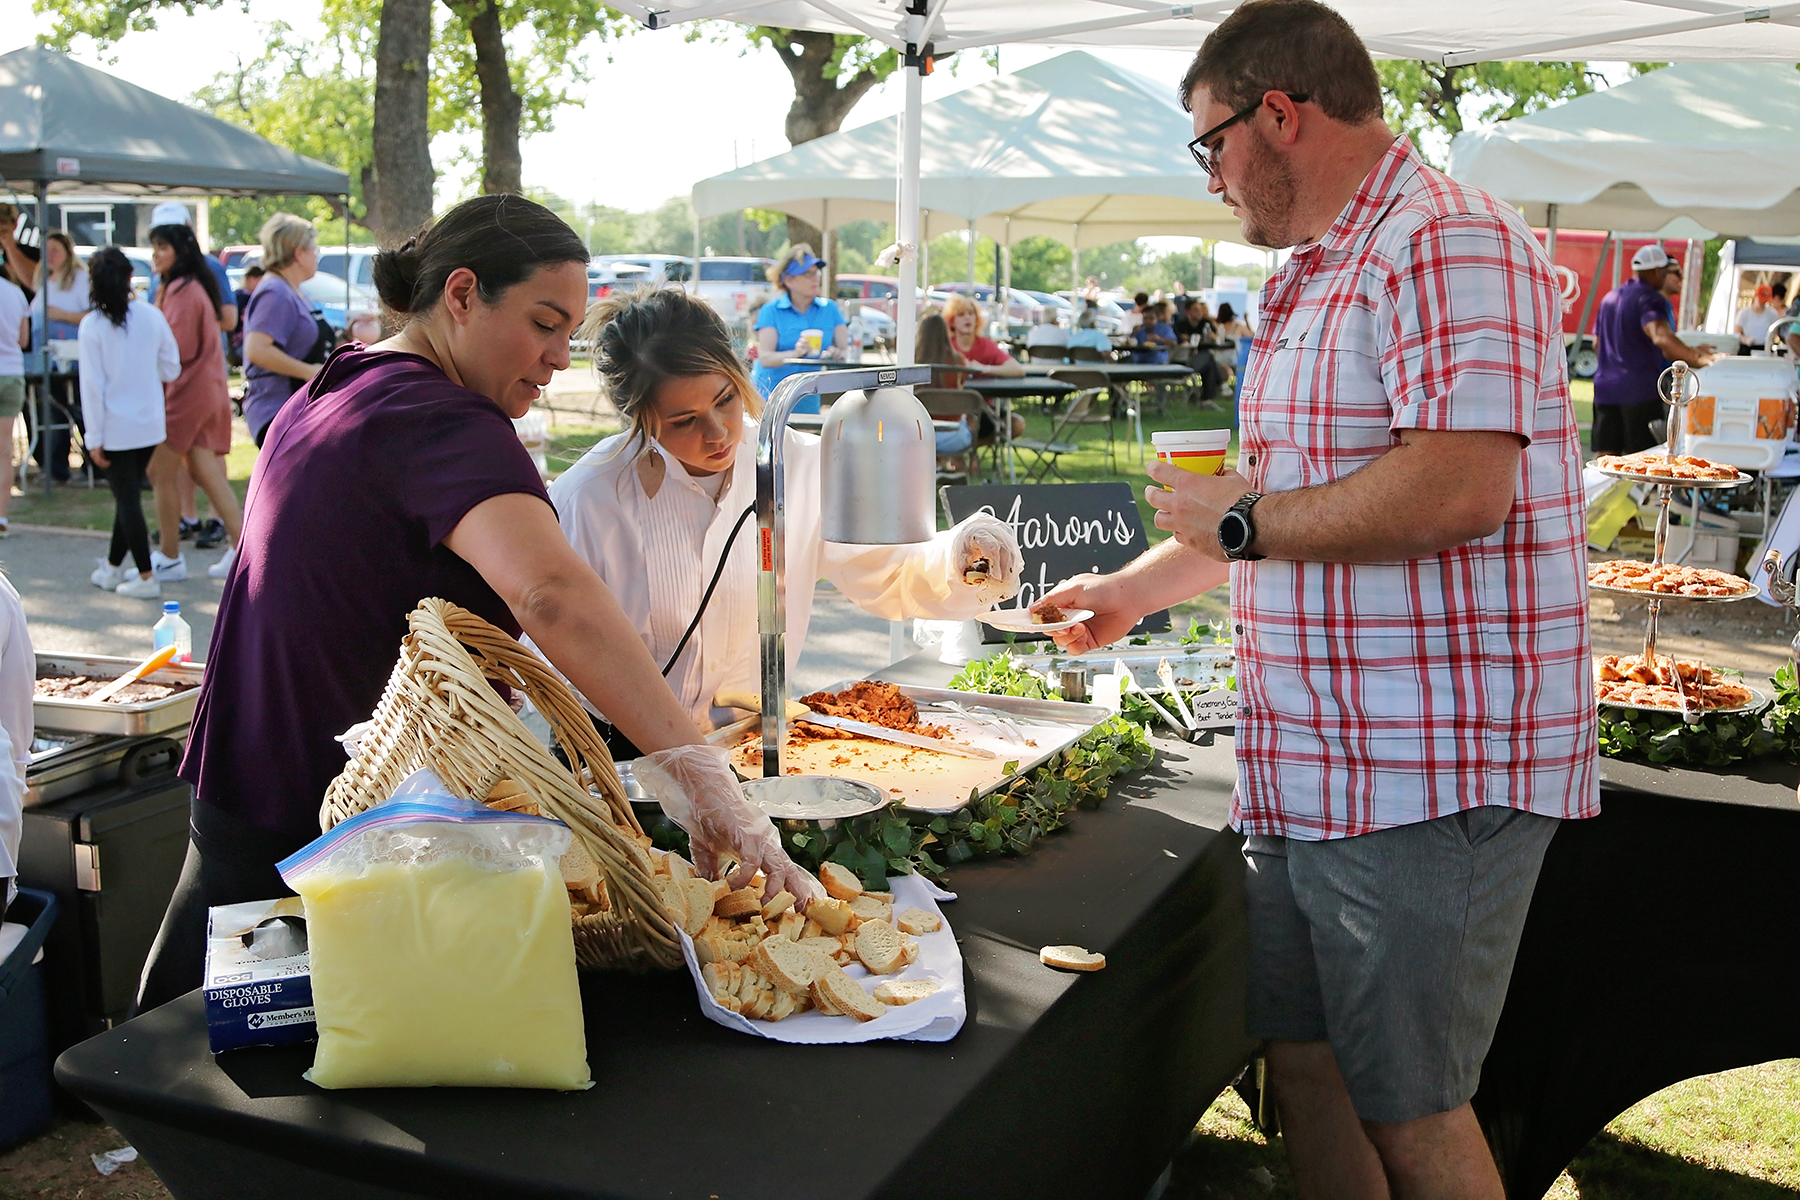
(984, 545)
(698, 790)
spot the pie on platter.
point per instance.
(1667, 579)
(1623, 679)
(1659, 465)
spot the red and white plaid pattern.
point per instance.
(1385, 694)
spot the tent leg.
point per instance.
(1550, 232)
(44, 440)
(906, 216)
(1075, 258)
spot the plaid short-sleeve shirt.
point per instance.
(1384, 694)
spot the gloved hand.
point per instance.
(984, 554)
(697, 788)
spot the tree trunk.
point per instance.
(820, 103)
(501, 165)
(403, 173)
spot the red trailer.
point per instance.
(1590, 264)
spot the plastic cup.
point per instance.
(811, 342)
(1201, 451)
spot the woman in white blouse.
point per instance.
(127, 353)
(654, 509)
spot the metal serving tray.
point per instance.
(126, 720)
(1053, 725)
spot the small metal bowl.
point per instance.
(816, 801)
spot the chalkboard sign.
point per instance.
(1063, 529)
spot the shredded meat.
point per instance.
(1048, 614)
(75, 687)
(875, 704)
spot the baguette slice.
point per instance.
(713, 947)
(918, 920)
(867, 908)
(884, 897)
(579, 873)
(788, 965)
(673, 898)
(780, 902)
(678, 867)
(829, 947)
(836, 990)
(811, 929)
(905, 991)
(831, 914)
(699, 904)
(879, 948)
(739, 903)
(910, 954)
(840, 881)
(1071, 958)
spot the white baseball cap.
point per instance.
(1649, 258)
(173, 212)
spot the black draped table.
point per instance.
(1058, 1085)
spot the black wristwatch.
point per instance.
(1237, 531)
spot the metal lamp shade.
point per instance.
(877, 464)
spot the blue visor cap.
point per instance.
(803, 264)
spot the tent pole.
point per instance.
(906, 219)
(1075, 258)
(1550, 235)
(44, 440)
(827, 251)
(347, 271)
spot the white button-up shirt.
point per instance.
(122, 373)
(657, 553)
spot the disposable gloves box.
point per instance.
(258, 976)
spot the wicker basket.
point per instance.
(439, 711)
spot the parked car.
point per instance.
(874, 292)
(1064, 311)
(239, 256)
(1109, 318)
(362, 264)
(735, 287)
(878, 328)
(326, 292)
(605, 277)
(659, 268)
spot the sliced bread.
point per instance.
(737, 904)
(1071, 958)
(830, 914)
(905, 991)
(840, 882)
(879, 948)
(918, 920)
(836, 990)
(699, 904)
(788, 965)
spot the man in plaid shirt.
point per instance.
(1406, 555)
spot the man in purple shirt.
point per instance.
(1636, 343)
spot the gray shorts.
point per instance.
(1396, 947)
(12, 396)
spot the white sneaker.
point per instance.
(168, 570)
(222, 568)
(106, 576)
(141, 589)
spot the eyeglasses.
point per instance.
(1198, 147)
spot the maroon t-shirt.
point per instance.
(361, 478)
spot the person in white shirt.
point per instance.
(1753, 323)
(657, 509)
(18, 677)
(15, 335)
(127, 353)
(1047, 332)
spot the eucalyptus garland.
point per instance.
(1718, 740)
(1783, 716)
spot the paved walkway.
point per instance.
(68, 614)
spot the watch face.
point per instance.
(1232, 532)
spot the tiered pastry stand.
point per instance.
(1677, 387)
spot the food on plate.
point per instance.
(1071, 958)
(77, 687)
(1047, 614)
(840, 881)
(873, 703)
(1625, 679)
(905, 991)
(1659, 465)
(917, 920)
(1665, 579)
(976, 573)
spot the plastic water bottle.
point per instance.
(173, 629)
(853, 352)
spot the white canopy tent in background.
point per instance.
(1636, 30)
(1073, 148)
(1717, 143)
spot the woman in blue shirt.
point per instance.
(798, 312)
(1087, 333)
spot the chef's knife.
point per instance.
(881, 733)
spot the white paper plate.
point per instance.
(1018, 620)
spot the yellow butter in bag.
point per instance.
(442, 953)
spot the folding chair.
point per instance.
(1087, 354)
(950, 404)
(1096, 382)
(1048, 450)
(1048, 353)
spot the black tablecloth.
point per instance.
(1661, 944)
(1058, 1085)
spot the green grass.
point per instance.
(1731, 1136)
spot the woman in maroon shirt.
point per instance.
(409, 444)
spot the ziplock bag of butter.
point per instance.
(442, 954)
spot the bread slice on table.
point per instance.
(1071, 958)
(840, 881)
(739, 903)
(867, 908)
(788, 965)
(836, 990)
(879, 948)
(699, 904)
(919, 920)
(830, 914)
(905, 991)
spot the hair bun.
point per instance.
(396, 272)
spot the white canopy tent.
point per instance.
(1074, 148)
(1665, 30)
(1718, 143)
